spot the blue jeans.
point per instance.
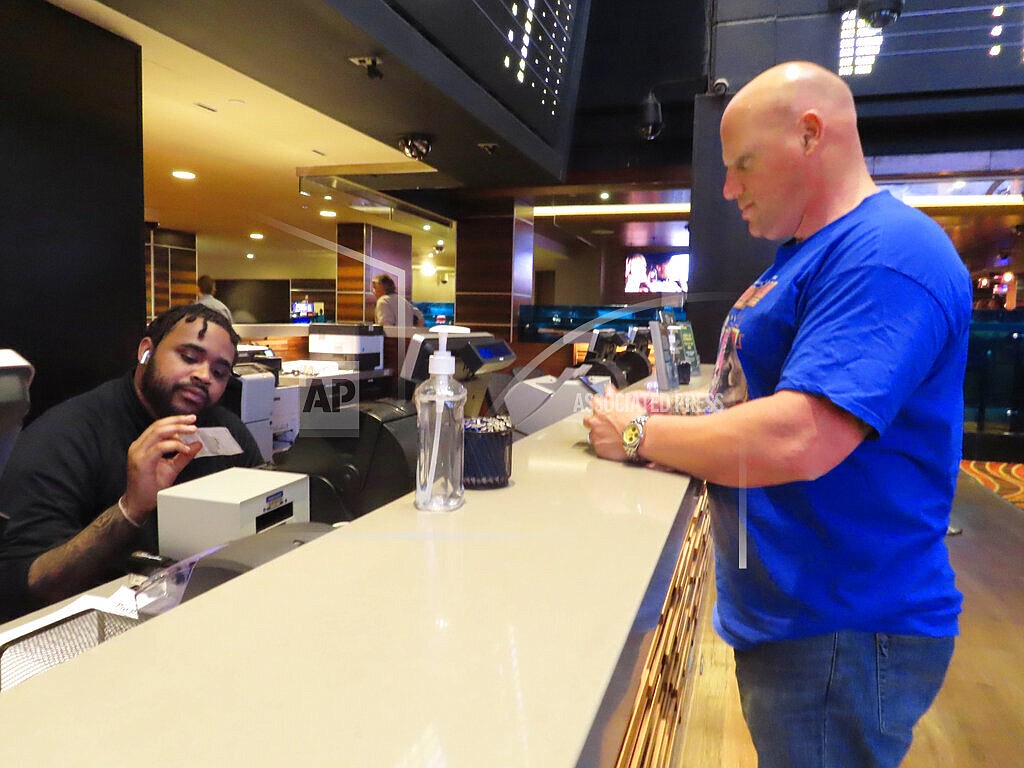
(846, 699)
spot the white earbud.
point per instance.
(145, 357)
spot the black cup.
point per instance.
(487, 459)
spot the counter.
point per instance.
(511, 632)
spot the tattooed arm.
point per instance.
(154, 461)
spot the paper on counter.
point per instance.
(217, 441)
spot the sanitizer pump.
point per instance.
(440, 402)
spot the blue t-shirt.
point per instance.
(871, 312)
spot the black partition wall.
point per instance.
(72, 282)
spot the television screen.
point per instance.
(302, 311)
(256, 301)
(657, 272)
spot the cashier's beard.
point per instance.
(168, 398)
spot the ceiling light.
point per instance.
(328, 197)
(429, 254)
(427, 269)
(304, 193)
(440, 242)
(328, 214)
(610, 209)
(414, 146)
(605, 195)
(187, 175)
(426, 227)
(250, 255)
(998, 11)
(255, 235)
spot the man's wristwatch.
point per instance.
(633, 435)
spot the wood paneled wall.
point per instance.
(494, 270)
(170, 269)
(382, 251)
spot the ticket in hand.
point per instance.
(217, 441)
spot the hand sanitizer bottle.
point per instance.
(440, 402)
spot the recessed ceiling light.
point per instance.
(304, 193)
(187, 175)
(250, 255)
(328, 214)
(440, 242)
(255, 235)
(426, 227)
(427, 268)
(604, 195)
(328, 197)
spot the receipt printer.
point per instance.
(227, 505)
(354, 346)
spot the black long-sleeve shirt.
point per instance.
(70, 465)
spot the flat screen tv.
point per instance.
(657, 273)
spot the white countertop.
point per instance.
(482, 637)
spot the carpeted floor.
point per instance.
(1000, 477)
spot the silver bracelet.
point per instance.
(124, 512)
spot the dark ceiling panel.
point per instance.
(305, 54)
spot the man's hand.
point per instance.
(155, 460)
(609, 415)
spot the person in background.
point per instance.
(831, 480)
(81, 484)
(390, 305)
(636, 274)
(207, 288)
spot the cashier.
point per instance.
(391, 308)
(81, 485)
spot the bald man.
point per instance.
(843, 365)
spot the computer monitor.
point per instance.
(302, 311)
(477, 355)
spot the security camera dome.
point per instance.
(880, 13)
(414, 146)
(650, 118)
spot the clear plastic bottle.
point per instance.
(440, 402)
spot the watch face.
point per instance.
(631, 434)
